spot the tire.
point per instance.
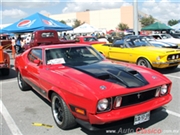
(21, 83)
(144, 62)
(5, 71)
(61, 113)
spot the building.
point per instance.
(105, 20)
(102, 19)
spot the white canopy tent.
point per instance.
(85, 28)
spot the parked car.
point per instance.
(82, 86)
(88, 40)
(141, 52)
(155, 42)
(5, 41)
(4, 62)
(166, 38)
(173, 33)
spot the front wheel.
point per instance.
(61, 113)
(144, 62)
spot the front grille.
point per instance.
(138, 97)
(176, 56)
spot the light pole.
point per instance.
(135, 17)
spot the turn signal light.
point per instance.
(81, 111)
(117, 101)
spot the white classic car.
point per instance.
(166, 38)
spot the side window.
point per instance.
(85, 39)
(157, 37)
(47, 34)
(118, 43)
(35, 54)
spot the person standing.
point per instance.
(13, 43)
(18, 44)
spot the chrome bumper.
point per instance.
(168, 62)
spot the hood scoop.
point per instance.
(118, 74)
(129, 79)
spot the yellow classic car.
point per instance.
(140, 52)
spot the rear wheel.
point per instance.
(61, 113)
(144, 62)
(21, 83)
(5, 71)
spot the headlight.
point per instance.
(177, 56)
(102, 104)
(173, 57)
(158, 58)
(164, 89)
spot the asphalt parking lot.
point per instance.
(26, 113)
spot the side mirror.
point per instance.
(36, 61)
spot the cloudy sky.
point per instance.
(14, 10)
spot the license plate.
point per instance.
(141, 118)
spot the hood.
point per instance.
(171, 40)
(114, 73)
(166, 44)
(155, 49)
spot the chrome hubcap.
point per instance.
(20, 80)
(142, 63)
(57, 109)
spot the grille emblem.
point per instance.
(138, 95)
(154, 77)
(102, 87)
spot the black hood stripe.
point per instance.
(114, 73)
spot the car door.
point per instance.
(33, 68)
(119, 52)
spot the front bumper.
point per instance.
(165, 64)
(126, 112)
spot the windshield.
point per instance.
(149, 38)
(137, 42)
(73, 56)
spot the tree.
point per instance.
(172, 22)
(123, 26)
(62, 21)
(145, 21)
(76, 23)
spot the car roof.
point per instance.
(60, 46)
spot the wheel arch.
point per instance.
(57, 91)
(142, 57)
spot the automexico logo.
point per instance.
(49, 22)
(25, 23)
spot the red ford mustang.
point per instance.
(84, 87)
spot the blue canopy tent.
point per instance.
(34, 22)
(2, 31)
